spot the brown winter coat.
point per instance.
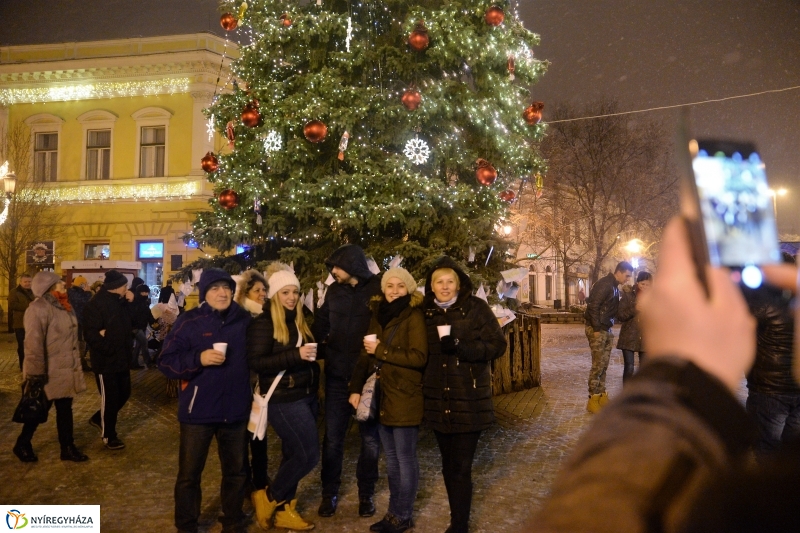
(52, 332)
(630, 335)
(18, 301)
(403, 360)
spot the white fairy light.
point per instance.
(349, 32)
(4, 214)
(417, 151)
(273, 142)
(67, 93)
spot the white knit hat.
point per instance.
(403, 275)
(281, 279)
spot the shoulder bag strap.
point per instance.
(379, 364)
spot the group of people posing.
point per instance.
(367, 323)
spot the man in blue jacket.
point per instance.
(341, 324)
(214, 398)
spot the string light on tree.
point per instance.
(417, 150)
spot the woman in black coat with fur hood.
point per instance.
(463, 338)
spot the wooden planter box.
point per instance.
(521, 366)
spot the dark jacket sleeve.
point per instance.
(361, 372)
(93, 323)
(627, 306)
(260, 347)
(649, 454)
(490, 344)
(594, 303)
(179, 360)
(322, 327)
(16, 302)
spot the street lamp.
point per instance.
(775, 193)
(9, 186)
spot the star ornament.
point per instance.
(273, 142)
(417, 151)
(210, 128)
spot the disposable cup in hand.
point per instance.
(371, 338)
(444, 331)
(221, 347)
(314, 355)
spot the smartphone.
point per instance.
(728, 208)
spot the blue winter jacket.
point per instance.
(209, 394)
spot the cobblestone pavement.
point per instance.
(514, 468)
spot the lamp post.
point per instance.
(775, 193)
(9, 186)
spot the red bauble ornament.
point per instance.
(533, 113)
(209, 163)
(228, 199)
(250, 116)
(411, 99)
(508, 195)
(315, 131)
(285, 20)
(485, 173)
(419, 40)
(494, 16)
(228, 22)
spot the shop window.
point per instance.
(97, 250)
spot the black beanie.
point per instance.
(114, 280)
(142, 288)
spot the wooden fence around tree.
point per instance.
(520, 367)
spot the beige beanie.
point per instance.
(403, 275)
(281, 279)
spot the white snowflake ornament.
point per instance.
(273, 142)
(417, 151)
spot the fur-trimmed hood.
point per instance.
(465, 284)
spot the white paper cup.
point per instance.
(371, 338)
(314, 345)
(221, 347)
(444, 331)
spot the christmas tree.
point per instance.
(395, 125)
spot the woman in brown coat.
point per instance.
(52, 356)
(399, 354)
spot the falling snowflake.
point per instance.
(417, 151)
(273, 142)
(210, 128)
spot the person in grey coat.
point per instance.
(630, 334)
(52, 356)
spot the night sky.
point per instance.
(664, 52)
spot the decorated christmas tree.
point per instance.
(403, 127)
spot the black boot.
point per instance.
(328, 506)
(71, 453)
(366, 507)
(25, 452)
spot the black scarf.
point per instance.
(291, 315)
(389, 310)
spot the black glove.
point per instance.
(448, 343)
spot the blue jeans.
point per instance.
(628, 359)
(296, 425)
(777, 417)
(338, 413)
(195, 441)
(402, 467)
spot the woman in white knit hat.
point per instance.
(399, 355)
(278, 349)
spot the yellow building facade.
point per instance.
(117, 135)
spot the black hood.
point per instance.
(465, 284)
(352, 260)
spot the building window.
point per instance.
(98, 154)
(153, 150)
(45, 157)
(97, 250)
(152, 142)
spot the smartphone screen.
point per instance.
(736, 204)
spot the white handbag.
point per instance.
(257, 425)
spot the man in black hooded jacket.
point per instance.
(340, 325)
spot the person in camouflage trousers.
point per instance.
(601, 308)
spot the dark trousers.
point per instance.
(402, 467)
(628, 359)
(140, 348)
(458, 452)
(195, 441)
(115, 389)
(63, 424)
(338, 413)
(296, 425)
(777, 417)
(256, 468)
(20, 334)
